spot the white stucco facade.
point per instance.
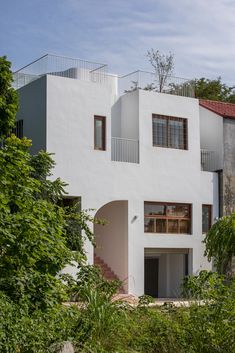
(65, 127)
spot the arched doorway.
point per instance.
(111, 251)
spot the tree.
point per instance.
(32, 236)
(163, 67)
(37, 234)
(8, 98)
(214, 90)
(220, 243)
(36, 231)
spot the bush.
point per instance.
(25, 332)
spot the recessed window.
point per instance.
(169, 132)
(206, 218)
(100, 133)
(161, 217)
(18, 129)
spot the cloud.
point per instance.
(200, 33)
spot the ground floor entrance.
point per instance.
(164, 271)
(151, 270)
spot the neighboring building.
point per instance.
(224, 115)
(146, 162)
(223, 143)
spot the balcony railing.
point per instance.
(149, 81)
(208, 161)
(60, 66)
(124, 150)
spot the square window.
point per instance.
(169, 131)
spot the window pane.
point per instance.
(99, 133)
(149, 225)
(184, 226)
(154, 209)
(160, 226)
(159, 132)
(169, 131)
(206, 218)
(178, 210)
(176, 134)
(167, 218)
(172, 226)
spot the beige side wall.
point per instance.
(229, 167)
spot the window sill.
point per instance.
(171, 148)
(165, 234)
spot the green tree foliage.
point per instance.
(32, 229)
(220, 243)
(214, 90)
(40, 331)
(8, 98)
(209, 322)
(36, 233)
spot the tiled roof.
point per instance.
(227, 110)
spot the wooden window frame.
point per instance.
(210, 216)
(103, 120)
(172, 118)
(166, 217)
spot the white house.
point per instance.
(141, 159)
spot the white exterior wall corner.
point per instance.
(163, 174)
(125, 116)
(32, 109)
(211, 133)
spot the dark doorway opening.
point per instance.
(151, 266)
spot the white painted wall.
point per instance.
(163, 174)
(125, 116)
(176, 274)
(211, 134)
(111, 238)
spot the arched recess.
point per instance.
(112, 239)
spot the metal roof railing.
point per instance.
(62, 66)
(149, 81)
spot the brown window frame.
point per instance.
(210, 217)
(103, 120)
(172, 118)
(167, 217)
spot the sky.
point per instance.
(200, 33)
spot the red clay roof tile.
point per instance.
(226, 110)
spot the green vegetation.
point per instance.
(100, 325)
(36, 237)
(214, 90)
(8, 98)
(220, 243)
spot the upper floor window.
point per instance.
(100, 133)
(206, 218)
(169, 131)
(162, 217)
(18, 129)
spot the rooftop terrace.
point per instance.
(98, 73)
